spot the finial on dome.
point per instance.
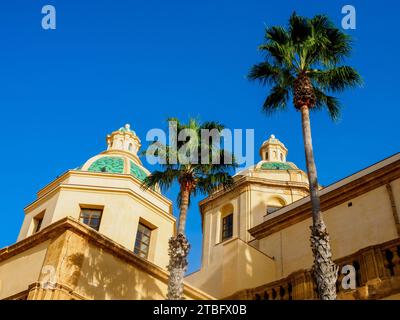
(272, 136)
(128, 127)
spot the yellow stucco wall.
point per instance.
(217, 276)
(82, 265)
(18, 272)
(47, 206)
(248, 208)
(367, 222)
(261, 197)
(241, 267)
(124, 204)
(105, 277)
(393, 297)
(396, 193)
(120, 219)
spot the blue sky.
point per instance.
(113, 62)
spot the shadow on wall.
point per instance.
(235, 266)
(99, 275)
(219, 272)
(266, 208)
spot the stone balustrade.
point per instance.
(377, 275)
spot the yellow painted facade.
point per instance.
(362, 213)
(56, 243)
(262, 253)
(271, 183)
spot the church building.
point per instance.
(94, 233)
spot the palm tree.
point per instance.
(304, 61)
(193, 177)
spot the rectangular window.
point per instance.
(91, 217)
(272, 209)
(38, 224)
(142, 242)
(227, 227)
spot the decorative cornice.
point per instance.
(99, 240)
(242, 182)
(133, 157)
(346, 189)
(394, 208)
(52, 186)
(55, 287)
(88, 188)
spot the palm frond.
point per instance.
(225, 162)
(311, 47)
(299, 29)
(338, 47)
(276, 100)
(210, 125)
(277, 34)
(213, 174)
(163, 179)
(265, 73)
(210, 183)
(332, 104)
(336, 79)
(282, 55)
(320, 23)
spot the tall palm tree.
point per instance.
(304, 61)
(193, 177)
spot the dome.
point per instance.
(117, 163)
(108, 164)
(277, 166)
(273, 166)
(120, 156)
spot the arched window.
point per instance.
(272, 209)
(281, 157)
(266, 155)
(130, 147)
(274, 204)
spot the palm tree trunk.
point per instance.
(178, 251)
(183, 210)
(324, 270)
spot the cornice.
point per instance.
(99, 240)
(131, 156)
(331, 196)
(49, 189)
(242, 184)
(89, 188)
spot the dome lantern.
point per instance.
(273, 150)
(124, 139)
(121, 156)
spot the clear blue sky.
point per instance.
(112, 62)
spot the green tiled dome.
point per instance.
(137, 172)
(108, 164)
(276, 166)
